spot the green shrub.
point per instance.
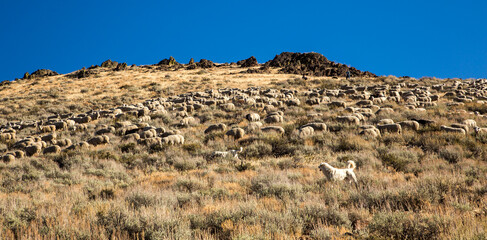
(257, 150)
(400, 160)
(274, 185)
(452, 154)
(401, 225)
(137, 200)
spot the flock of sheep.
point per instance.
(266, 110)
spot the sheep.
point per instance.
(316, 126)
(306, 132)
(391, 128)
(385, 121)
(337, 104)
(19, 154)
(80, 145)
(187, 121)
(61, 125)
(274, 119)
(228, 107)
(479, 130)
(462, 126)
(336, 174)
(63, 142)
(348, 120)
(33, 149)
(105, 131)
(46, 128)
(173, 139)
(233, 153)
(215, 127)
(7, 136)
(276, 129)
(384, 111)
(453, 130)
(132, 136)
(49, 138)
(252, 117)
(409, 125)
(52, 149)
(470, 122)
(102, 139)
(148, 133)
(80, 120)
(236, 133)
(253, 126)
(150, 141)
(8, 157)
(370, 131)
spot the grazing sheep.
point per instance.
(316, 126)
(7, 136)
(385, 121)
(150, 141)
(52, 149)
(32, 150)
(80, 145)
(409, 125)
(470, 122)
(61, 125)
(19, 154)
(148, 134)
(390, 128)
(252, 117)
(274, 119)
(462, 126)
(8, 158)
(81, 120)
(479, 130)
(233, 153)
(453, 130)
(369, 130)
(105, 131)
(102, 139)
(336, 174)
(215, 127)
(253, 126)
(384, 111)
(131, 137)
(187, 121)
(228, 107)
(276, 129)
(337, 104)
(46, 128)
(173, 139)
(236, 133)
(306, 132)
(353, 120)
(63, 142)
(49, 138)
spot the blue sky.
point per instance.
(414, 38)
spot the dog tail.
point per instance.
(351, 164)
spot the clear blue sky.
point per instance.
(414, 38)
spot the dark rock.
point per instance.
(313, 64)
(168, 62)
(109, 64)
(204, 63)
(82, 73)
(42, 73)
(249, 62)
(121, 67)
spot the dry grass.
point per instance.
(416, 185)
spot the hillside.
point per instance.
(136, 152)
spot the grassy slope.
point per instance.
(414, 185)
